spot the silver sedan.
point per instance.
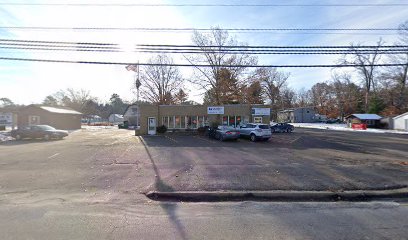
(226, 133)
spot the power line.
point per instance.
(229, 52)
(202, 5)
(113, 45)
(164, 29)
(192, 49)
(200, 65)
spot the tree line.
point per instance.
(372, 89)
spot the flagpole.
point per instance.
(137, 83)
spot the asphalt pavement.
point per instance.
(91, 185)
(306, 160)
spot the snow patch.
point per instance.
(343, 127)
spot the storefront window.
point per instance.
(231, 121)
(194, 122)
(183, 122)
(188, 122)
(202, 121)
(177, 122)
(225, 120)
(171, 122)
(165, 121)
(238, 121)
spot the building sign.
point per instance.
(215, 110)
(261, 111)
(6, 118)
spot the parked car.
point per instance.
(282, 127)
(331, 121)
(38, 131)
(223, 133)
(255, 131)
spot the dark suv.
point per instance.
(282, 127)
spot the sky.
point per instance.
(31, 82)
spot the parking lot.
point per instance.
(99, 165)
(303, 160)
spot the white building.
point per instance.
(132, 115)
(401, 122)
(116, 118)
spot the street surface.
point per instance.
(91, 184)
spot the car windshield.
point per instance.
(45, 127)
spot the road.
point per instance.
(91, 184)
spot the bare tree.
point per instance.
(214, 52)
(50, 101)
(273, 83)
(365, 66)
(75, 99)
(5, 102)
(160, 82)
(399, 74)
(303, 98)
(346, 95)
(253, 93)
(180, 97)
(321, 97)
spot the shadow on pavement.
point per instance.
(171, 209)
(27, 141)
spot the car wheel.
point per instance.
(221, 138)
(272, 130)
(288, 130)
(18, 137)
(253, 138)
(46, 137)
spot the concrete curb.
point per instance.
(281, 196)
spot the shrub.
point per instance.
(202, 130)
(162, 129)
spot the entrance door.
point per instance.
(151, 128)
(33, 120)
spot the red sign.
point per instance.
(359, 126)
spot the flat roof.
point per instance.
(366, 116)
(59, 110)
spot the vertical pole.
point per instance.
(138, 80)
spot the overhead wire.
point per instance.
(193, 49)
(196, 65)
(204, 4)
(183, 46)
(229, 52)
